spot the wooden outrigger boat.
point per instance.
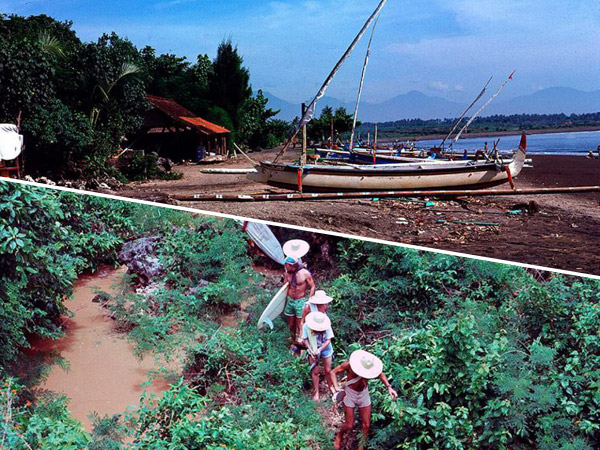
(405, 176)
(344, 177)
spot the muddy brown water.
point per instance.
(104, 375)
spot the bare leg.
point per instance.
(315, 378)
(365, 418)
(298, 329)
(327, 372)
(346, 426)
(292, 324)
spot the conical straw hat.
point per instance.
(318, 321)
(365, 364)
(320, 298)
(296, 248)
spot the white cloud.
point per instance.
(436, 45)
(439, 86)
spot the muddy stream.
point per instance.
(104, 374)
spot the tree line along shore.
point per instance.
(497, 125)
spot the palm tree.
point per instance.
(125, 70)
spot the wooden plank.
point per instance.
(381, 194)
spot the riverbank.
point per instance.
(562, 233)
(103, 374)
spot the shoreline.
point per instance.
(480, 134)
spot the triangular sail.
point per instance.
(310, 111)
(485, 105)
(360, 87)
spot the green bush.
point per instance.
(47, 239)
(46, 425)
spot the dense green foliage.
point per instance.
(77, 100)
(46, 240)
(244, 391)
(319, 129)
(495, 123)
(45, 425)
(483, 355)
(206, 272)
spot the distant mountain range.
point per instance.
(416, 105)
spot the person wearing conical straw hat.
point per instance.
(299, 280)
(318, 302)
(317, 335)
(360, 368)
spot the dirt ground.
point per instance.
(564, 233)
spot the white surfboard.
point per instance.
(274, 308)
(262, 235)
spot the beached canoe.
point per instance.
(455, 174)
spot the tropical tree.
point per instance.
(229, 82)
(254, 123)
(320, 129)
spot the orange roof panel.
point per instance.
(205, 125)
(179, 113)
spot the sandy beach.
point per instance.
(563, 232)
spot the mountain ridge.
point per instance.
(417, 105)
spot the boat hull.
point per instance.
(386, 177)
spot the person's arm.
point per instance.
(305, 311)
(305, 340)
(333, 374)
(311, 283)
(307, 345)
(324, 346)
(387, 384)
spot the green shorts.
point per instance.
(294, 307)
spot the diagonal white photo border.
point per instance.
(297, 227)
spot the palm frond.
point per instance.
(51, 44)
(128, 68)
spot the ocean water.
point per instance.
(572, 143)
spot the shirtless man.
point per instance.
(360, 368)
(300, 279)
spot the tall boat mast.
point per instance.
(310, 111)
(485, 105)
(360, 87)
(466, 111)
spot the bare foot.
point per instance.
(316, 397)
(337, 443)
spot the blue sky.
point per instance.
(443, 48)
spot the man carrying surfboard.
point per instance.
(360, 368)
(317, 335)
(299, 280)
